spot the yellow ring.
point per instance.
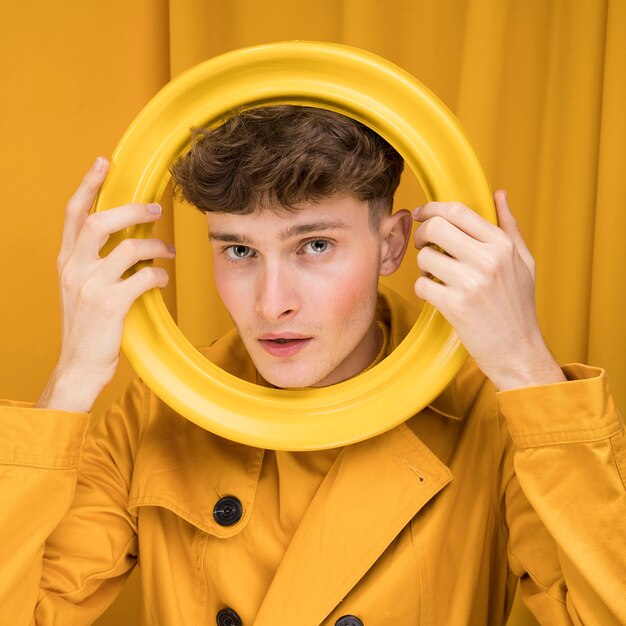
(355, 83)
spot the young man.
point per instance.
(515, 472)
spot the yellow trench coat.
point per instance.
(430, 523)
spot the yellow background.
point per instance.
(537, 84)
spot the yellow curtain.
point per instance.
(539, 87)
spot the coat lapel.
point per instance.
(370, 494)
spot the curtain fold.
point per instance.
(606, 341)
(567, 171)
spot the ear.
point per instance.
(395, 232)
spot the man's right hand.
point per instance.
(94, 297)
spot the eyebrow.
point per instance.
(292, 231)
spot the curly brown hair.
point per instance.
(286, 154)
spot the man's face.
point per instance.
(301, 288)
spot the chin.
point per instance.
(289, 382)
(291, 379)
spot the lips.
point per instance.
(283, 345)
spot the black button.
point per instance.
(348, 620)
(228, 617)
(227, 511)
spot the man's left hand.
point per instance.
(485, 289)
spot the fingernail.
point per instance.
(155, 208)
(172, 248)
(99, 164)
(416, 211)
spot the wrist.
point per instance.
(529, 368)
(70, 391)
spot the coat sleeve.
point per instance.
(565, 499)
(67, 540)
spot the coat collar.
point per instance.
(183, 468)
(371, 493)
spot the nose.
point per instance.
(277, 297)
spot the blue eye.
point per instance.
(238, 251)
(317, 246)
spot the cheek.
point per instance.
(221, 284)
(351, 291)
(230, 292)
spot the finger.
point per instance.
(506, 220)
(431, 291)
(508, 224)
(142, 281)
(440, 232)
(438, 265)
(460, 216)
(80, 203)
(99, 226)
(129, 252)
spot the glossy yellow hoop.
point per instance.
(335, 77)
